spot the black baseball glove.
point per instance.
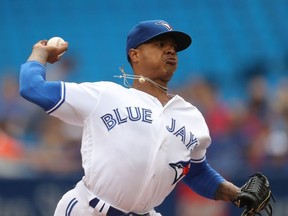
(255, 196)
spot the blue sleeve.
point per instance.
(35, 88)
(203, 179)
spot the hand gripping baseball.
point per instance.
(42, 52)
(255, 196)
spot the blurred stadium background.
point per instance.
(235, 72)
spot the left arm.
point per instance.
(205, 181)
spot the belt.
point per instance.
(113, 211)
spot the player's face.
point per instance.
(158, 58)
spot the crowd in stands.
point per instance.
(32, 143)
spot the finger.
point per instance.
(42, 42)
(64, 45)
(63, 48)
(59, 57)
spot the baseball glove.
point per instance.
(255, 196)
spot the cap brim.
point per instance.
(182, 40)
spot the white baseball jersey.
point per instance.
(134, 150)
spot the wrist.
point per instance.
(227, 191)
(39, 54)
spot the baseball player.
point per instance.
(138, 141)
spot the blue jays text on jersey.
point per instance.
(145, 115)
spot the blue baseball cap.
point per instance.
(146, 30)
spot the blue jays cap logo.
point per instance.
(181, 169)
(165, 24)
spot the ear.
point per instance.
(134, 55)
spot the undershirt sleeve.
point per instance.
(35, 88)
(203, 179)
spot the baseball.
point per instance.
(55, 41)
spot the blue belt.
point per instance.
(113, 211)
